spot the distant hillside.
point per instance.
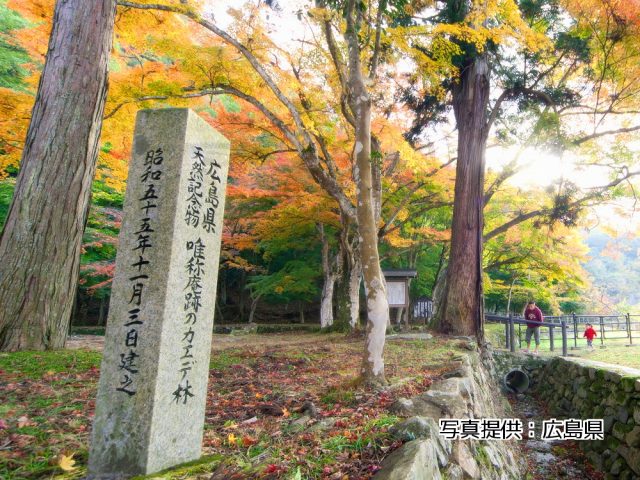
(615, 266)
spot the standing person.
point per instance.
(533, 313)
(590, 333)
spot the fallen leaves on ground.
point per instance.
(67, 463)
(256, 396)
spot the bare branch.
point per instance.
(593, 136)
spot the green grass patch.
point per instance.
(34, 365)
(616, 354)
(205, 464)
(338, 395)
(294, 327)
(223, 360)
(80, 330)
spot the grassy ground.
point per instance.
(615, 350)
(255, 390)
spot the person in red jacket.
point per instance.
(590, 333)
(534, 314)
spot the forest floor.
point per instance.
(253, 427)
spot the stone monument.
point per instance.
(153, 379)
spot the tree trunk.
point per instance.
(220, 317)
(377, 306)
(330, 277)
(509, 300)
(326, 304)
(41, 240)
(461, 309)
(355, 277)
(102, 318)
(242, 295)
(254, 305)
(342, 303)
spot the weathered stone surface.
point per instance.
(633, 437)
(324, 424)
(636, 414)
(447, 396)
(462, 456)
(454, 472)
(611, 395)
(631, 456)
(415, 427)
(299, 424)
(470, 395)
(539, 446)
(415, 460)
(623, 414)
(153, 380)
(405, 407)
(424, 428)
(620, 430)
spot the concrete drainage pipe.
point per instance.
(516, 381)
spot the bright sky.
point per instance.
(541, 169)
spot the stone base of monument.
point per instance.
(153, 379)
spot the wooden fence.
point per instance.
(609, 328)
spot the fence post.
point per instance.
(575, 330)
(628, 317)
(519, 335)
(506, 333)
(601, 331)
(512, 334)
(564, 338)
(551, 338)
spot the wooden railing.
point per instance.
(609, 328)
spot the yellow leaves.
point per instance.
(67, 463)
(15, 110)
(320, 14)
(231, 439)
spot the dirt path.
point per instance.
(223, 342)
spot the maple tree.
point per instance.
(292, 180)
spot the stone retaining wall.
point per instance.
(468, 391)
(578, 388)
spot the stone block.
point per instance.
(462, 456)
(153, 379)
(633, 437)
(415, 460)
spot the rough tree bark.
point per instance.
(460, 311)
(41, 239)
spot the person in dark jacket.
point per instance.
(533, 313)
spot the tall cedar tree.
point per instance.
(41, 239)
(461, 309)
